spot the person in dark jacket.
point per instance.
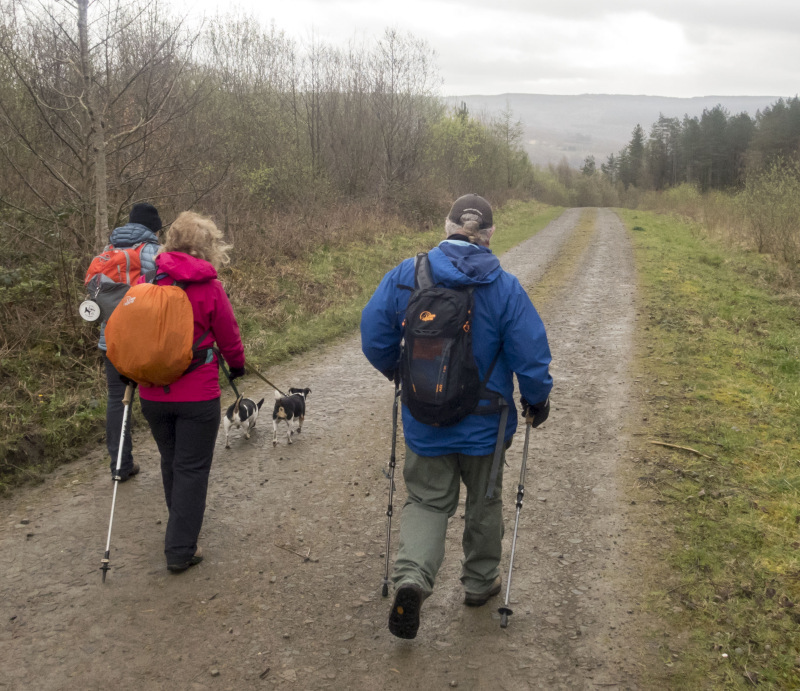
(184, 417)
(140, 231)
(439, 458)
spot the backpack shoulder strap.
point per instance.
(423, 278)
(152, 276)
(422, 271)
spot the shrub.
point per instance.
(770, 204)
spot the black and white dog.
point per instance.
(243, 413)
(288, 408)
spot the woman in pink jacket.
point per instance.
(184, 417)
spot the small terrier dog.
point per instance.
(288, 408)
(243, 413)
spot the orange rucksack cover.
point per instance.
(121, 265)
(149, 335)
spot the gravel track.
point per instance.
(289, 593)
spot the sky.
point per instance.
(679, 48)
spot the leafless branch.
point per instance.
(19, 231)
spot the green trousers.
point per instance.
(433, 485)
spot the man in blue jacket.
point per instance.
(140, 230)
(506, 330)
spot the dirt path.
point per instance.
(254, 615)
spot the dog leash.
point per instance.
(249, 367)
(253, 370)
(227, 374)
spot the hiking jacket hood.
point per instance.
(505, 322)
(213, 313)
(132, 235)
(458, 264)
(184, 267)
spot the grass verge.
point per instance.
(53, 396)
(561, 271)
(720, 372)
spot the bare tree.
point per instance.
(100, 89)
(403, 85)
(89, 100)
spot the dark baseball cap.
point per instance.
(471, 204)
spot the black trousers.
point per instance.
(114, 412)
(185, 433)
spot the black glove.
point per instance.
(393, 375)
(236, 372)
(125, 380)
(535, 414)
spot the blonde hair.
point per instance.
(197, 236)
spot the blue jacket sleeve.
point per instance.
(526, 348)
(148, 257)
(381, 325)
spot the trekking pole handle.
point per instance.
(127, 397)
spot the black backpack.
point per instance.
(440, 380)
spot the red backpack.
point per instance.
(121, 265)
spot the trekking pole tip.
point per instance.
(504, 613)
(385, 590)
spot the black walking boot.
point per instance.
(192, 561)
(133, 472)
(404, 617)
(480, 599)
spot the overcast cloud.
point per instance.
(679, 48)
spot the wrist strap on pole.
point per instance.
(498, 449)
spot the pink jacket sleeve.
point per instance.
(226, 329)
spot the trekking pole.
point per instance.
(505, 611)
(126, 402)
(392, 463)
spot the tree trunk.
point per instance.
(96, 134)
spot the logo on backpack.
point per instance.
(441, 383)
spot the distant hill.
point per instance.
(598, 124)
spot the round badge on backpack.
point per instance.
(89, 311)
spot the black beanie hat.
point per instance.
(146, 215)
(471, 203)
